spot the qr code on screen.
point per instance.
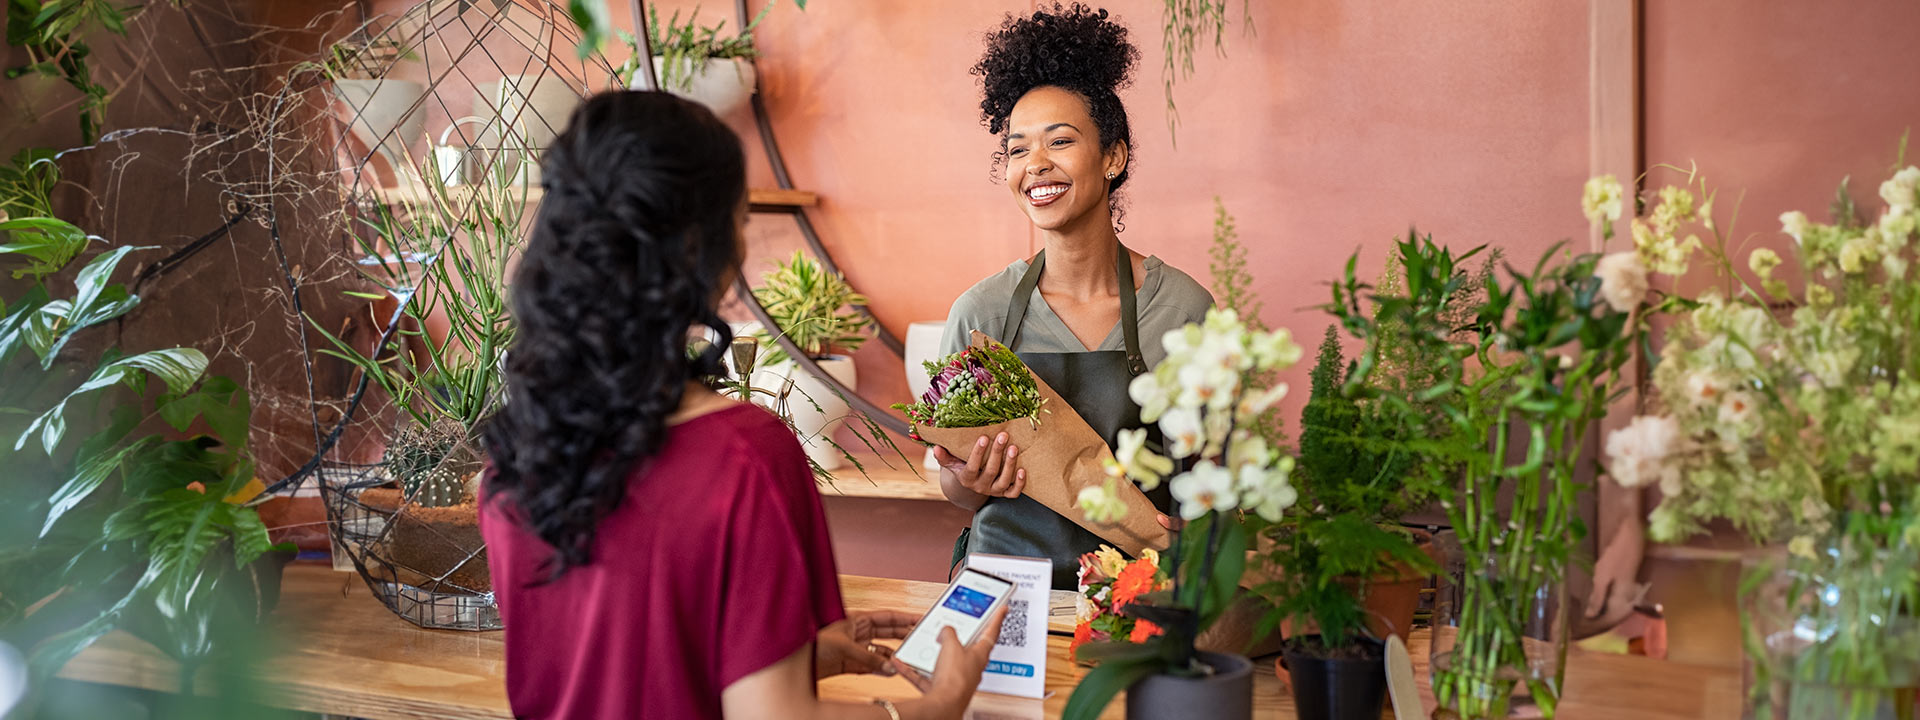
(1013, 630)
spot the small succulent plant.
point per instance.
(431, 464)
(439, 487)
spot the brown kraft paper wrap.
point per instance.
(1063, 456)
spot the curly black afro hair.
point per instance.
(1076, 48)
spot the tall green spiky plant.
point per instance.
(443, 252)
(1352, 483)
(1233, 289)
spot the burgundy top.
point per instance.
(716, 565)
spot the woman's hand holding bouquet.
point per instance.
(985, 391)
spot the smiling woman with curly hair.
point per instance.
(1087, 313)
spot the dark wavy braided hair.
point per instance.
(1075, 48)
(627, 253)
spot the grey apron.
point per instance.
(1095, 385)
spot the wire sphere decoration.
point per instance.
(435, 120)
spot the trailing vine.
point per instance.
(1185, 24)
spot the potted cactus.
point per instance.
(439, 366)
(433, 537)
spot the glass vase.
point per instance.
(1831, 634)
(1499, 640)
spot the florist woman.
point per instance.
(627, 591)
(1086, 313)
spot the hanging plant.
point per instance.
(1185, 24)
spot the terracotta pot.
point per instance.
(440, 542)
(1388, 599)
(1392, 597)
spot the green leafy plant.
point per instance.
(596, 26)
(1354, 481)
(51, 32)
(108, 525)
(26, 184)
(745, 354)
(361, 56)
(813, 307)
(1233, 289)
(1528, 377)
(1232, 282)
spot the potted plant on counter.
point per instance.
(412, 522)
(1343, 575)
(814, 308)
(1229, 482)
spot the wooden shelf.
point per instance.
(904, 480)
(760, 199)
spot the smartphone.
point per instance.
(964, 607)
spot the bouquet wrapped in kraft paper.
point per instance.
(985, 390)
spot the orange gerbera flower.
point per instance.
(1143, 630)
(1136, 579)
(1082, 634)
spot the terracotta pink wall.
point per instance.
(1331, 128)
(1777, 102)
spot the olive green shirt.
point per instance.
(1167, 300)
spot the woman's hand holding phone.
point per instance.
(957, 674)
(991, 470)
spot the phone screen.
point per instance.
(964, 607)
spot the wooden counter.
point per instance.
(345, 654)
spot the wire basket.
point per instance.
(431, 576)
(434, 120)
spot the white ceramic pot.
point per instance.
(384, 114)
(531, 109)
(923, 345)
(814, 406)
(724, 86)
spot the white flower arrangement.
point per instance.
(1777, 424)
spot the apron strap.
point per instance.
(1022, 294)
(1129, 306)
(1129, 312)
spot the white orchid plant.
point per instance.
(1206, 397)
(1802, 429)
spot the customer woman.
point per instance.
(1086, 313)
(659, 551)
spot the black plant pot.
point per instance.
(1227, 694)
(1337, 689)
